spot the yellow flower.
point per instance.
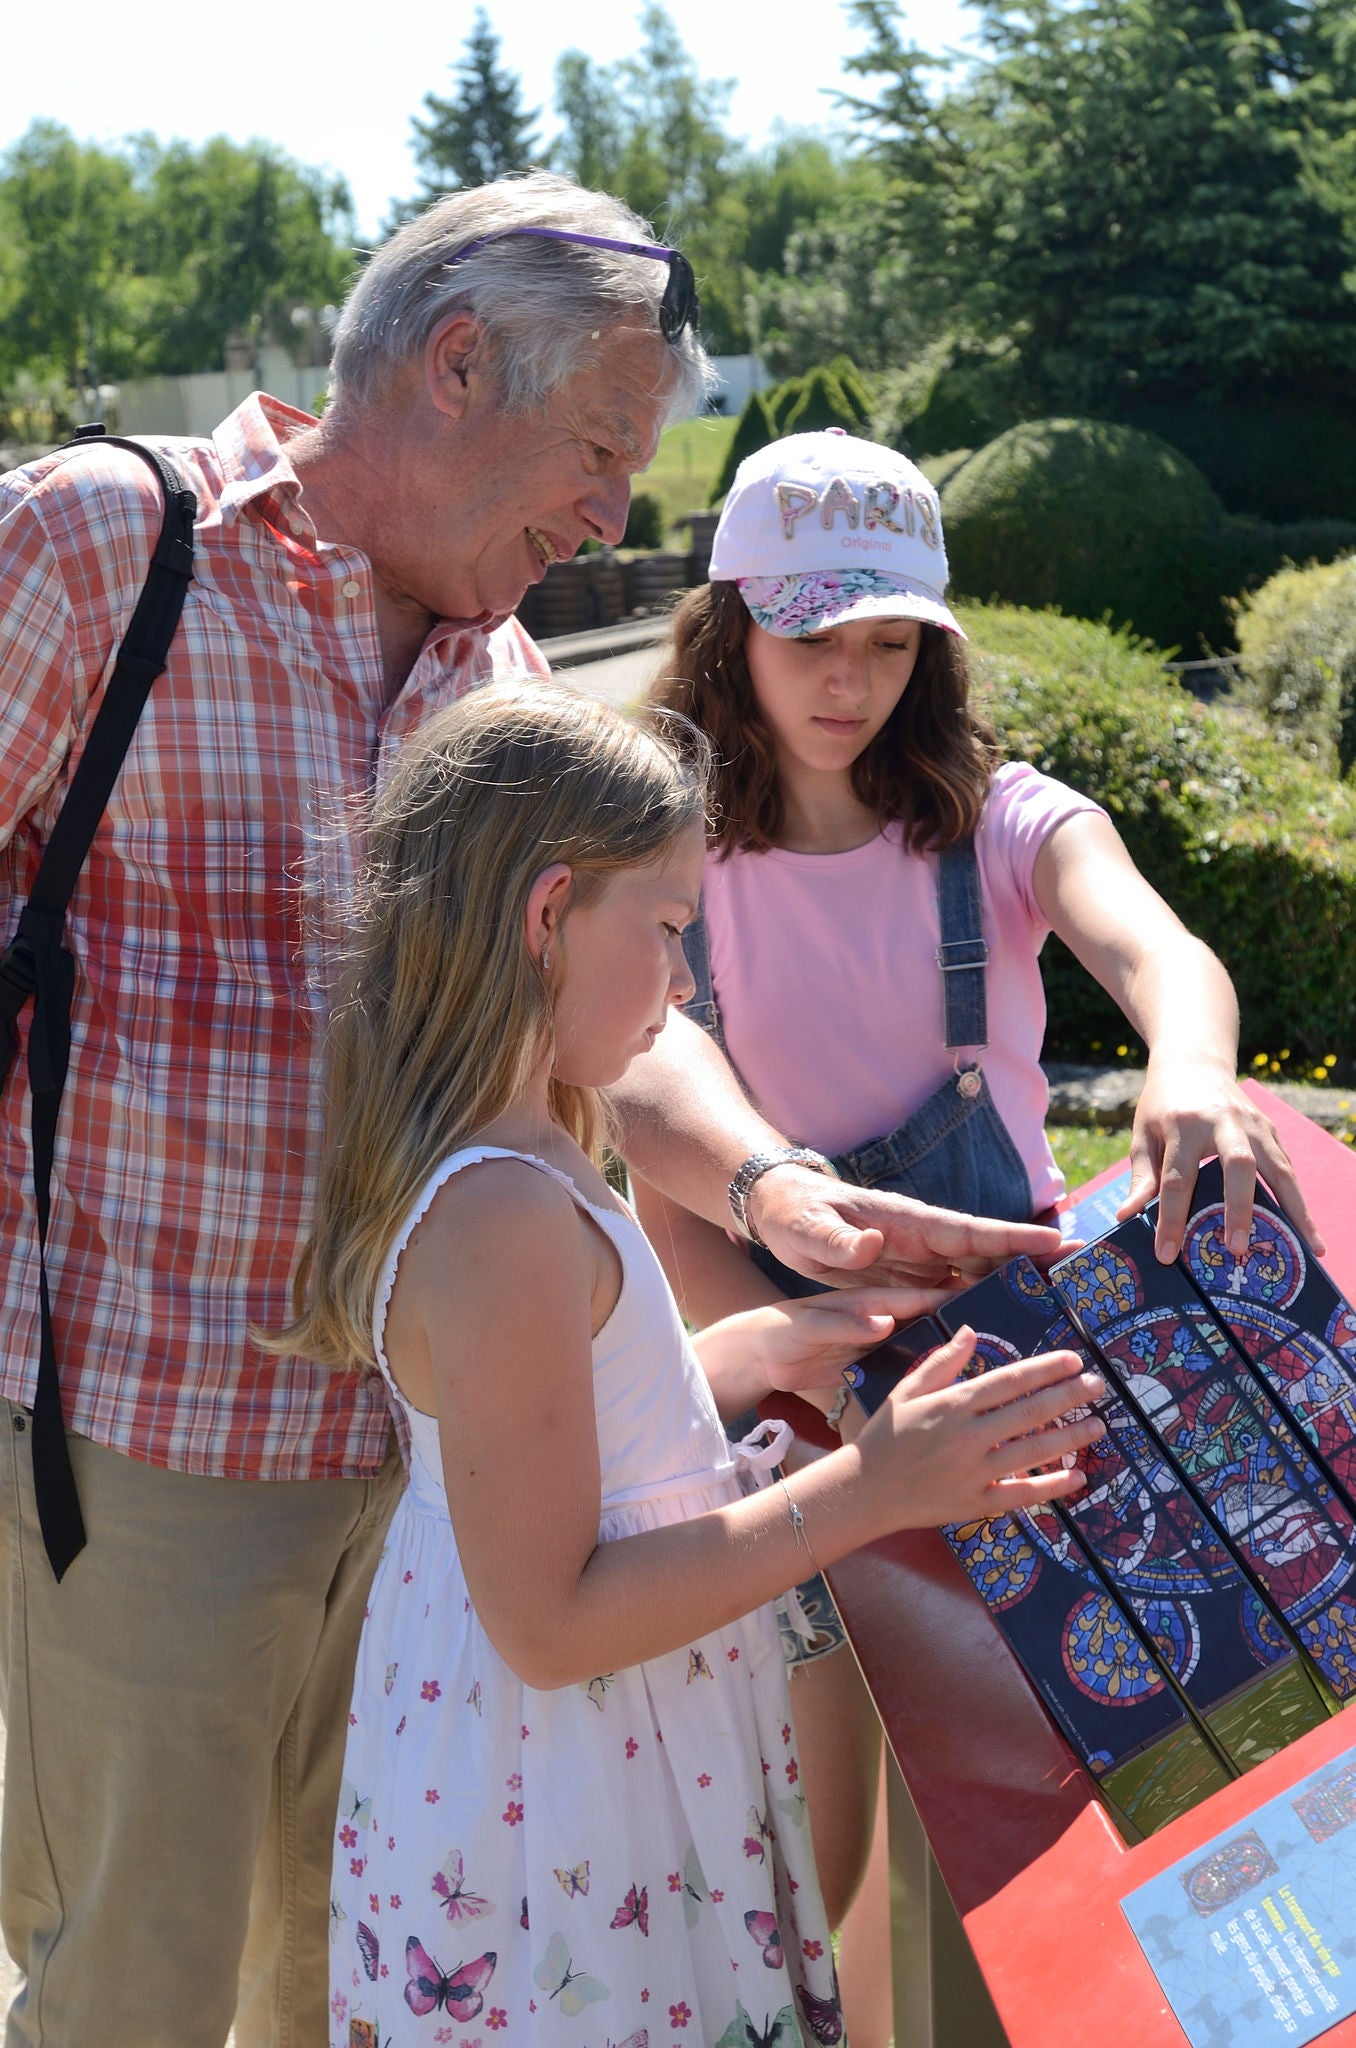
(1260, 1059)
(1121, 1051)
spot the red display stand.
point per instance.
(1034, 1867)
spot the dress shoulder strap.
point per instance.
(470, 1155)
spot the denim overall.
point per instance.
(954, 1151)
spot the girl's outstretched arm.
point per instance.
(1181, 1003)
(497, 1287)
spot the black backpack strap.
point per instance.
(37, 964)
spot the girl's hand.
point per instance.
(946, 1450)
(1190, 1109)
(801, 1346)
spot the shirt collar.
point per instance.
(251, 447)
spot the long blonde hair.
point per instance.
(440, 1015)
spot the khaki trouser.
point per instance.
(176, 1712)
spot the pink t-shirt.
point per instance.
(825, 971)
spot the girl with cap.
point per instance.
(877, 889)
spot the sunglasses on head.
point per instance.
(679, 307)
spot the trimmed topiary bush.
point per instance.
(1252, 845)
(1297, 635)
(821, 404)
(855, 390)
(644, 521)
(1100, 520)
(755, 429)
(783, 399)
(939, 469)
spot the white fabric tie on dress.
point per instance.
(751, 1461)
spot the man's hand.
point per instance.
(843, 1235)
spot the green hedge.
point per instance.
(1253, 847)
(1298, 639)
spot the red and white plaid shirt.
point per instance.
(191, 1120)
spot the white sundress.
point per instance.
(610, 1865)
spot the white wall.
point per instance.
(194, 405)
(739, 376)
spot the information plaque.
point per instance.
(1253, 1935)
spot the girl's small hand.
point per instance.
(803, 1345)
(946, 1450)
(1189, 1110)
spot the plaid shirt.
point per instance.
(191, 1118)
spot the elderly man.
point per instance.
(174, 1704)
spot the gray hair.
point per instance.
(543, 305)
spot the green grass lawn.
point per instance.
(1081, 1154)
(687, 464)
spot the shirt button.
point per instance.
(20, 1424)
(349, 589)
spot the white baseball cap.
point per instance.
(821, 528)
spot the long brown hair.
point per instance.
(440, 1015)
(929, 767)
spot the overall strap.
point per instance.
(962, 954)
(37, 963)
(701, 1005)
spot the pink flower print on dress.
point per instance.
(812, 1950)
(458, 1904)
(512, 1813)
(704, 1780)
(514, 1781)
(432, 1796)
(430, 1690)
(786, 1731)
(680, 2014)
(732, 1654)
(348, 1836)
(496, 2018)
(631, 1747)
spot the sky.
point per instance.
(335, 85)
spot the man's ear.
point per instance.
(449, 354)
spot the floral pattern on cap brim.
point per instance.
(791, 606)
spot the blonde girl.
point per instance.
(571, 1779)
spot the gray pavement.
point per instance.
(620, 678)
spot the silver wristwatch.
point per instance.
(753, 1170)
